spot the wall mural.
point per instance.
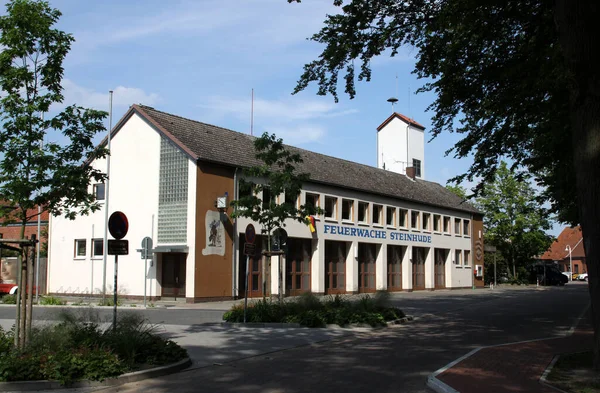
(215, 234)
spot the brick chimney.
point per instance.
(411, 172)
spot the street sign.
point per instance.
(118, 247)
(250, 234)
(249, 249)
(118, 225)
(146, 248)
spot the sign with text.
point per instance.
(249, 249)
(374, 234)
(118, 247)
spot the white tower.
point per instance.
(401, 144)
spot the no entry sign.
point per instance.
(250, 234)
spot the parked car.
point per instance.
(568, 275)
(547, 275)
(582, 277)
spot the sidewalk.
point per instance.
(515, 367)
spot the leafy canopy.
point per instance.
(263, 184)
(496, 69)
(55, 175)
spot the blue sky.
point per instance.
(201, 59)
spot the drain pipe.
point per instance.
(235, 240)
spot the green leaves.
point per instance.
(53, 175)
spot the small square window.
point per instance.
(312, 201)
(414, 219)
(347, 209)
(403, 215)
(331, 207)
(390, 216)
(426, 221)
(466, 227)
(467, 260)
(80, 249)
(377, 213)
(457, 226)
(363, 211)
(417, 166)
(457, 257)
(97, 247)
(446, 224)
(99, 191)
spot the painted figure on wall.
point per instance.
(215, 234)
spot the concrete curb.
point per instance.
(400, 321)
(28, 386)
(297, 325)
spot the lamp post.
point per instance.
(568, 248)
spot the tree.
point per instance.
(458, 190)
(515, 223)
(275, 176)
(517, 78)
(54, 176)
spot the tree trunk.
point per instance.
(579, 35)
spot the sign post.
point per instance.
(250, 238)
(118, 227)
(146, 247)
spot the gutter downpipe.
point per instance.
(234, 287)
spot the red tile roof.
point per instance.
(569, 236)
(405, 119)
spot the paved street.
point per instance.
(449, 324)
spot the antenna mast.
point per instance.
(252, 114)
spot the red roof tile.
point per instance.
(569, 236)
(400, 116)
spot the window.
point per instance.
(466, 228)
(80, 248)
(417, 166)
(403, 214)
(467, 261)
(426, 220)
(457, 257)
(312, 201)
(266, 198)
(347, 209)
(363, 211)
(437, 222)
(414, 219)
(245, 189)
(390, 216)
(97, 247)
(99, 191)
(457, 226)
(377, 213)
(331, 207)
(290, 199)
(446, 224)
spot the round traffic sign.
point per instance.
(118, 225)
(250, 233)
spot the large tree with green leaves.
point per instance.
(514, 221)
(54, 175)
(275, 176)
(518, 79)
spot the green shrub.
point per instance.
(9, 299)
(52, 301)
(110, 302)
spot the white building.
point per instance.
(400, 145)
(381, 230)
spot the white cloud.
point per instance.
(122, 96)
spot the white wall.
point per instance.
(135, 163)
(391, 146)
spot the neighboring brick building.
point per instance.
(558, 251)
(12, 230)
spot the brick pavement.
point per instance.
(514, 367)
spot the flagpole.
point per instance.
(106, 196)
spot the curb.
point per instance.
(400, 321)
(135, 376)
(297, 325)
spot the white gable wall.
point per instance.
(391, 146)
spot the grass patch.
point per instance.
(311, 311)
(9, 299)
(52, 301)
(574, 373)
(78, 348)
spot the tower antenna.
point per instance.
(252, 114)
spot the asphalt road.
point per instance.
(396, 359)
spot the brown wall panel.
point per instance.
(477, 247)
(213, 272)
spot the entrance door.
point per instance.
(173, 275)
(366, 267)
(418, 268)
(394, 271)
(254, 266)
(335, 267)
(440, 267)
(298, 258)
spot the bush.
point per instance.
(9, 299)
(52, 301)
(78, 348)
(311, 311)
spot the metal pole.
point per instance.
(145, 270)
(29, 313)
(570, 265)
(106, 197)
(495, 284)
(115, 294)
(246, 296)
(18, 295)
(92, 264)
